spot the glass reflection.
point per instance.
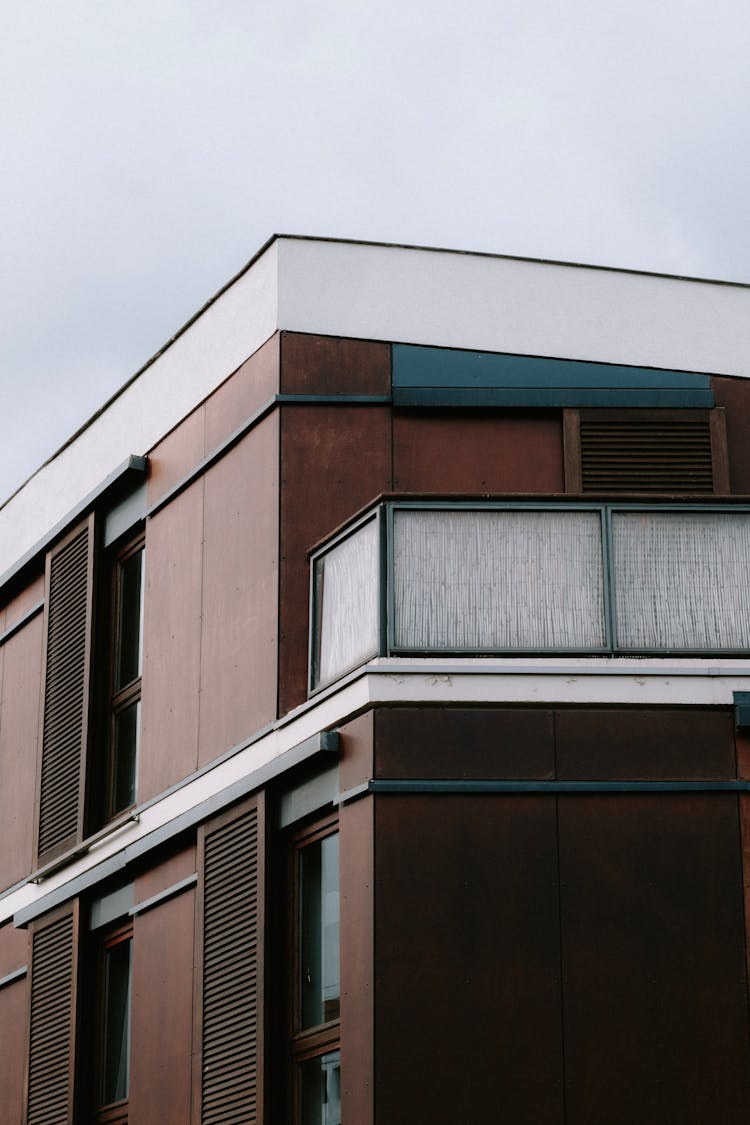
(116, 1042)
(319, 986)
(127, 725)
(320, 1090)
(130, 622)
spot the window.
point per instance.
(315, 1032)
(124, 695)
(113, 1026)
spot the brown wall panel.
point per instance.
(467, 1007)
(22, 602)
(355, 758)
(14, 949)
(458, 742)
(645, 743)
(19, 722)
(171, 643)
(357, 970)
(13, 1000)
(244, 392)
(473, 452)
(14, 954)
(330, 365)
(240, 592)
(177, 454)
(161, 1014)
(165, 874)
(333, 461)
(653, 960)
(734, 394)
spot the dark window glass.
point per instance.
(118, 776)
(319, 986)
(115, 1069)
(129, 625)
(320, 1090)
(127, 724)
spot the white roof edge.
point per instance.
(212, 345)
(379, 291)
(524, 306)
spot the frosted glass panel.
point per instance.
(682, 580)
(347, 595)
(482, 580)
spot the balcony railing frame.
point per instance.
(385, 514)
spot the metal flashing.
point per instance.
(129, 471)
(164, 896)
(22, 621)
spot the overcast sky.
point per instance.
(148, 149)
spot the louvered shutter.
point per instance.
(52, 1019)
(230, 926)
(65, 699)
(646, 451)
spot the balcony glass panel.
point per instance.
(346, 590)
(682, 580)
(494, 580)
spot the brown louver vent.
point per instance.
(51, 1022)
(646, 451)
(66, 691)
(232, 937)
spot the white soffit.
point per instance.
(484, 303)
(222, 337)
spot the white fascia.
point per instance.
(484, 303)
(198, 360)
(387, 682)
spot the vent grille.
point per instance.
(52, 1013)
(232, 1023)
(646, 455)
(66, 695)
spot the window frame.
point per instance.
(304, 1043)
(116, 700)
(116, 1112)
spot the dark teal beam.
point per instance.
(443, 376)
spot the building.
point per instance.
(374, 691)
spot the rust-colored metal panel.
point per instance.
(331, 365)
(734, 395)
(244, 392)
(458, 742)
(355, 759)
(477, 452)
(357, 969)
(467, 959)
(655, 1004)
(19, 722)
(13, 1003)
(178, 453)
(161, 1012)
(334, 460)
(240, 592)
(658, 743)
(171, 644)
